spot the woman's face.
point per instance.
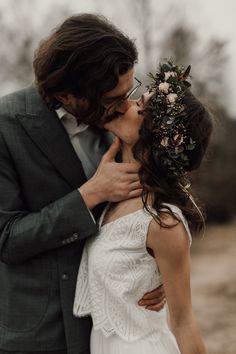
(127, 126)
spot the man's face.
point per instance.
(127, 126)
(116, 101)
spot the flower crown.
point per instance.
(171, 142)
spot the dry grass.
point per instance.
(214, 287)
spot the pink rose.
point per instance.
(168, 74)
(164, 87)
(172, 97)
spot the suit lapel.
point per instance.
(47, 132)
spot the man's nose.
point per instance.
(124, 106)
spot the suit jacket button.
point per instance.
(75, 236)
(65, 276)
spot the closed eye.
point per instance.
(112, 100)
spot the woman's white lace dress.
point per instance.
(115, 272)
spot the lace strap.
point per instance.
(103, 214)
(176, 210)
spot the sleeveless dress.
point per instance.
(115, 272)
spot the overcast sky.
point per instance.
(209, 18)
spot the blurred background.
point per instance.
(200, 33)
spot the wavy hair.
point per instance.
(84, 57)
(157, 180)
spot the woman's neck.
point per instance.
(127, 155)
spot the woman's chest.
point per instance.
(120, 253)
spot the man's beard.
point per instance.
(76, 111)
(80, 115)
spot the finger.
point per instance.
(135, 185)
(112, 151)
(129, 167)
(129, 179)
(157, 307)
(154, 301)
(154, 293)
(135, 193)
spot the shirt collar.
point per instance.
(62, 113)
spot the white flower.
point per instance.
(168, 74)
(164, 87)
(172, 97)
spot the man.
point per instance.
(52, 185)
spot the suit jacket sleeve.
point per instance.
(24, 234)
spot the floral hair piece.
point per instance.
(171, 142)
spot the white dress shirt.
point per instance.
(87, 141)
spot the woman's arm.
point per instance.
(171, 249)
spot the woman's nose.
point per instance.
(146, 97)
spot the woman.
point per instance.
(144, 242)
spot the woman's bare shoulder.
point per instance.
(171, 239)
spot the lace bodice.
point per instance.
(115, 272)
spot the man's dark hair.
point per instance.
(84, 57)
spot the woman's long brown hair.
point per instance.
(159, 183)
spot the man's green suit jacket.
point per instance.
(43, 225)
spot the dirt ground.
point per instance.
(214, 287)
